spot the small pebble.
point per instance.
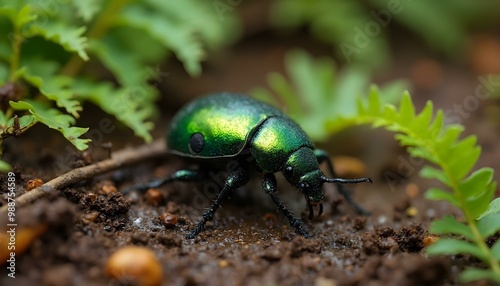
(154, 197)
(349, 167)
(412, 190)
(322, 281)
(411, 211)
(33, 184)
(169, 220)
(135, 265)
(382, 219)
(223, 263)
(429, 239)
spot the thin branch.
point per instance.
(119, 159)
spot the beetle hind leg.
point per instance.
(180, 175)
(269, 186)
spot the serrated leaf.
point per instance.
(450, 246)
(4, 166)
(449, 224)
(437, 194)
(55, 120)
(181, 41)
(126, 104)
(433, 173)
(479, 204)
(494, 207)
(463, 156)
(476, 182)
(128, 70)
(406, 109)
(423, 119)
(58, 88)
(70, 38)
(489, 224)
(87, 9)
(473, 274)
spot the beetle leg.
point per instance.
(311, 213)
(180, 175)
(269, 186)
(235, 180)
(322, 156)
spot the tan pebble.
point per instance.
(429, 239)
(411, 211)
(349, 167)
(31, 184)
(412, 190)
(322, 281)
(24, 237)
(168, 219)
(154, 197)
(109, 188)
(135, 265)
(223, 263)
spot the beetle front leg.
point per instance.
(322, 156)
(235, 180)
(180, 175)
(269, 186)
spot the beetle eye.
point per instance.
(289, 171)
(196, 142)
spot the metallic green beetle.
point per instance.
(251, 133)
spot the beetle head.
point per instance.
(302, 171)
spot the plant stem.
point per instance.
(16, 52)
(98, 30)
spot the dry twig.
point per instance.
(119, 159)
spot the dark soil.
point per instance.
(248, 242)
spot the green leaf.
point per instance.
(494, 207)
(87, 9)
(4, 166)
(479, 204)
(464, 156)
(181, 41)
(3, 119)
(433, 173)
(449, 224)
(473, 274)
(489, 224)
(68, 37)
(58, 88)
(127, 69)
(450, 246)
(437, 194)
(476, 183)
(495, 250)
(55, 120)
(128, 105)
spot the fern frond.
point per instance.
(441, 145)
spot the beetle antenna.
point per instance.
(345, 181)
